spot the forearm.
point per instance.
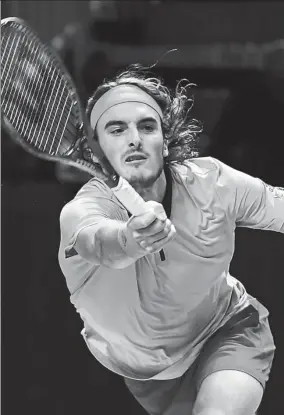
(108, 245)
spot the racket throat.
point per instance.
(83, 154)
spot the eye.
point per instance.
(149, 128)
(117, 131)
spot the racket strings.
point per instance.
(22, 88)
(45, 117)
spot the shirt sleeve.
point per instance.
(77, 216)
(79, 253)
(89, 210)
(251, 202)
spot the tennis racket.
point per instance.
(41, 110)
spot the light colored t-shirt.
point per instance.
(151, 319)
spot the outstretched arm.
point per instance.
(88, 231)
(261, 206)
(253, 203)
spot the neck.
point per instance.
(156, 191)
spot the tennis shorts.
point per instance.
(245, 343)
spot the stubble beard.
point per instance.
(141, 184)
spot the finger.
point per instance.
(160, 212)
(154, 228)
(142, 221)
(155, 233)
(158, 209)
(158, 245)
(149, 241)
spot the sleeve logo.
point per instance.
(278, 192)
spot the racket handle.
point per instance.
(130, 199)
(133, 202)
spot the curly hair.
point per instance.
(179, 129)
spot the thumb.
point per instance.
(158, 209)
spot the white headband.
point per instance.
(119, 95)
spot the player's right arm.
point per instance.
(100, 240)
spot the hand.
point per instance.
(151, 231)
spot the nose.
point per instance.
(134, 137)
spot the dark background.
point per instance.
(234, 52)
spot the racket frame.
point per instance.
(124, 192)
(74, 156)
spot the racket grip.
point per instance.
(130, 199)
(133, 202)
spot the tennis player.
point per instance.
(154, 291)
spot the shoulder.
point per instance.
(208, 178)
(94, 188)
(95, 197)
(224, 177)
(201, 169)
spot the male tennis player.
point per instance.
(154, 291)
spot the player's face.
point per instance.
(130, 134)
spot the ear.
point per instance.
(165, 149)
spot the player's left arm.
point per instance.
(261, 206)
(253, 203)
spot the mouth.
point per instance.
(135, 159)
